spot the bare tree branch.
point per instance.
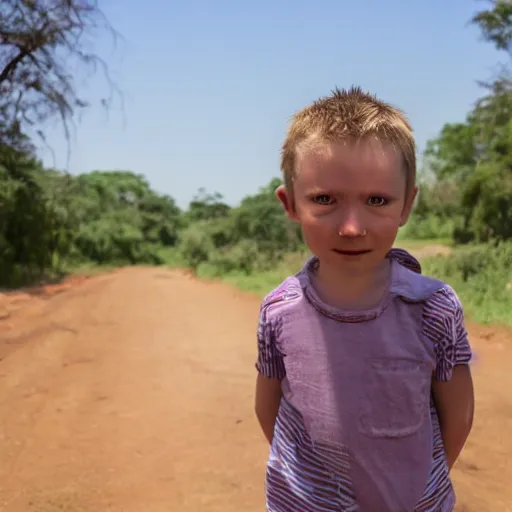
(39, 41)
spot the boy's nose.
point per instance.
(351, 226)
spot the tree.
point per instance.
(39, 40)
(119, 218)
(474, 158)
(206, 206)
(496, 24)
(25, 231)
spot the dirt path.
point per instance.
(133, 392)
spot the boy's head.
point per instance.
(349, 166)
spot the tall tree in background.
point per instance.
(44, 46)
(475, 157)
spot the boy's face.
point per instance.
(350, 199)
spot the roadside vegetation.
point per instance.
(52, 223)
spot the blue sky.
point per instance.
(209, 87)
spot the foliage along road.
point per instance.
(133, 391)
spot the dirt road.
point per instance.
(133, 392)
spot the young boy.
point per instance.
(364, 390)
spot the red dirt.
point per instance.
(133, 392)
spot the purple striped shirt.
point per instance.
(357, 429)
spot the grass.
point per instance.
(88, 269)
(482, 278)
(410, 245)
(262, 282)
(480, 275)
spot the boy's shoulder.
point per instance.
(413, 286)
(437, 296)
(282, 297)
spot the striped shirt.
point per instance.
(351, 437)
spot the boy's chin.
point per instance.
(367, 259)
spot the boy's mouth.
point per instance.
(352, 252)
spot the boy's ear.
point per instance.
(287, 202)
(409, 202)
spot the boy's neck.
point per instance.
(352, 290)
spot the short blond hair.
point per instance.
(349, 115)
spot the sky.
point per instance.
(208, 88)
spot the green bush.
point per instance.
(196, 244)
(482, 277)
(427, 227)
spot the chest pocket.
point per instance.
(395, 397)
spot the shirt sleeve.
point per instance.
(444, 325)
(270, 362)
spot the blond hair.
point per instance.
(348, 115)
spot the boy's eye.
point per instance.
(377, 201)
(322, 199)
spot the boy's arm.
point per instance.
(271, 371)
(455, 402)
(452, 386)
(268, 398)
